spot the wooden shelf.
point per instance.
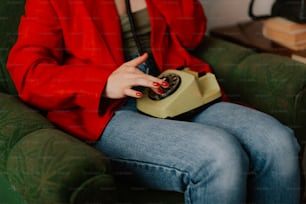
(249, 34)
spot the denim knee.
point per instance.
(281, 154)
(223, 177)
(230, 165)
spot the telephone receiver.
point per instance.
(187, 91)
(294, 10)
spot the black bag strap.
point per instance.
(252, 15)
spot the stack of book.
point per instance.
(285, 32)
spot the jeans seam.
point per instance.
(185, 174)
(151, 163)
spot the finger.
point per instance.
(137, 61)
(164, 84)
(145, 80)
(155, 82)
(133, 93)
(158, 91)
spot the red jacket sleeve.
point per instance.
(186, 19)
(43, 77)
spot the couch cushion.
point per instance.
(223, 58)
(273, 84)
(16, 121)
(48, 165)
(10, 12)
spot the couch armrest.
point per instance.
(43, 164)
(271, 83)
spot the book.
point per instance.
(284, 25)
(288, 38)
(294, 47)
(298, 47)
(285, 32)
(298, 58)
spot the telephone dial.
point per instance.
(173, 80)
(187, 91)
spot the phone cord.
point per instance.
(149, 63)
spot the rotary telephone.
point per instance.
(187, 91)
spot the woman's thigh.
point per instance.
(256, 131)
(168, 154)
(272, 147)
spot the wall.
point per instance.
(225, 12)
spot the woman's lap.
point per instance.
(177, 153)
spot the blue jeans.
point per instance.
(226, 154)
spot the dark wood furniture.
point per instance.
(249, 34)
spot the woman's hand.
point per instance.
(121, 82)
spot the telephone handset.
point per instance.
(186, 92)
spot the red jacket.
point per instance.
(66, 49)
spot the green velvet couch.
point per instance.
(40, 163)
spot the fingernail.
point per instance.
(160, 91)
(138, 94)
(156, 84)
(164, 83)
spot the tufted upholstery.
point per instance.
(39, 163)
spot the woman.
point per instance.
(78, 61)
